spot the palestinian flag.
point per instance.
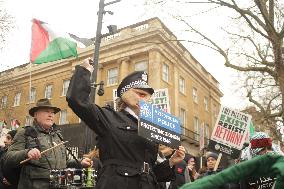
(15, 124)
(3, 124)
(48, 45)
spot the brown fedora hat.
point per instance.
(43, 103)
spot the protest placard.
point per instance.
(159, 126)
(160, 100)
(229, 133)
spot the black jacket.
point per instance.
(2, 184)
(180, 176)
(122, 151)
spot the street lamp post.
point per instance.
(89, 135)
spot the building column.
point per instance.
(154, 65)
(123, 68)
(174, 101)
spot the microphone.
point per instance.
(101, 90)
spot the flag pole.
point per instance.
(30, 87)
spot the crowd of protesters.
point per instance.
(122, 159)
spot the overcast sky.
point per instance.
(80, 18)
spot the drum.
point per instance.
(67, 178)
(58, 179)
(90, 178)
(74, 177)
(54, 178)
(62, 180)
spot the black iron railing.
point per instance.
(192, 137)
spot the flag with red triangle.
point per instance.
(15, 124)
(49, 45)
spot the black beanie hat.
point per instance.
(212, 154)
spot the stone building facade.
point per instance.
(194, 94)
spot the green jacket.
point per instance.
(268, 165)
(35, 174)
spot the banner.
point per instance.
(230, 131)
(160, 100)
(158, 126)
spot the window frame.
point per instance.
(32, 93)
(194, 95)
(181, 85)
(206, 103)
(165, 72)
(65, 88)
(61, 121)
(28, 120)
(182, 119)
(46, 92)
(113, 77)
(4, 103)
(196, 128)
(17, 99)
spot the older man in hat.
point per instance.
(128, 159)
(30, 141)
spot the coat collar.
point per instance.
(131, 112)
(41, 129)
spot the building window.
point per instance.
(65, 87)
(206, 133)
(206, 103)
(181, 85)
(196, 128)
(194, 95)
(29, 120)
(215, 111)
(48, 91)
(112, 76)
(63, 117)
(182, 116)
(32, 95)
(17, 99)
(141, 66)
(4, 101)
(165, 75)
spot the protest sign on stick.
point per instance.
(229, 133)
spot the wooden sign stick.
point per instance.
(28, 159)
(217, 162)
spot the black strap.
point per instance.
(31, 131)
(137, 166)
(69, 150)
